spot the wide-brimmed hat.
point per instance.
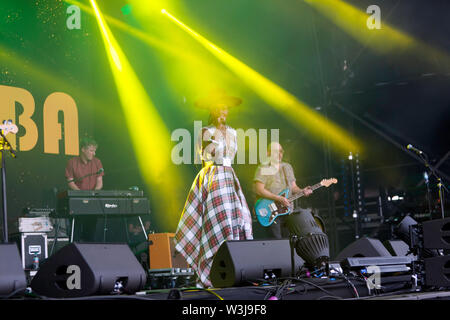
(217, 98)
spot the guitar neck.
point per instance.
(301, 194)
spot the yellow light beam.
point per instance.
(284, 102)
(126, 28)
(192, 78)
(386, 40)
(39, 75)
(143, 36)
(150, 137)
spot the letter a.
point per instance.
(374, 21)
(55, 103)
(74, 281)
(74, 21)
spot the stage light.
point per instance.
(282, 101)
(126, 9)
(149, 135)
(308, 239)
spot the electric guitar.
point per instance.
(268, 210)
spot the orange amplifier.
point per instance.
(162, 253)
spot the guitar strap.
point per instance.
(285, 177)
(287, 182)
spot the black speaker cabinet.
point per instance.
(242, 261)
(364, 247)
(436, 234)
(437, 271)
(12, 276)
(83, 269)
(397, 247)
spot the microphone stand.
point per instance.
(292, 243)
(441, 186)
(427, 182)
(4, 145)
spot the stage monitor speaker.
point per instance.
(436, 234)
(397, 248)
(84, 269)
(12, 275)
(437, 271)
(364, 247)
(242, 261)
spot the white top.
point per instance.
(221, 149)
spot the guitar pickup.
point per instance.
(273, 206)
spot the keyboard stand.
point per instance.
(56, 237)
(143, 229)
(73, 228)
(57, 232)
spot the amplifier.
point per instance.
(383, 265)
(162, 252)
(171, 278)
(38, 212)
(105, 206)
(375, 261)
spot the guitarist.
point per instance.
(271, 179)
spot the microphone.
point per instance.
(410, 147)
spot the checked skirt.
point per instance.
(215, 211)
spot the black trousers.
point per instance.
(279, 230)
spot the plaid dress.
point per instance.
(215, 211)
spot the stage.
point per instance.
(278, 153)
